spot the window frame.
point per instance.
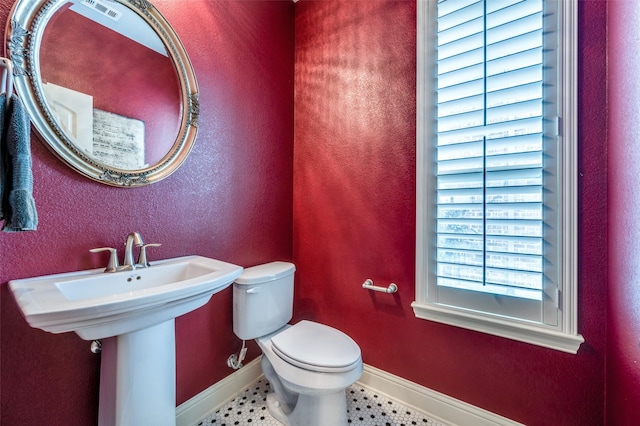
(564, 336)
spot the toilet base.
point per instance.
(321, 408)
(316, 410)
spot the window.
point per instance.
(496, 205)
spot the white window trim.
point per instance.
(566, 338)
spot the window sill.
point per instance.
(522, 332)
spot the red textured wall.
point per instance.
(230, 200)
(354, 204)
(124, 77)
(623, 305)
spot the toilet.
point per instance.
(309, 365)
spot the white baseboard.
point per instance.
(206, 402)
(433, 404)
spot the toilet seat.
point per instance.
(316, 347)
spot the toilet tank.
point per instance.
(263, 299)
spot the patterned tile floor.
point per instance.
(364, 408)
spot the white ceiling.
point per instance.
(129, 24)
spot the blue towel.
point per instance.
(19, 207)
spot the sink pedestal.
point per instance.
(138, 378)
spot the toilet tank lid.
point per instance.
(264, 273)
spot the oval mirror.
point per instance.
(108, 86)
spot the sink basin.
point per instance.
(98, 305)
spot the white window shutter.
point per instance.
(495, 229)
(489, 147)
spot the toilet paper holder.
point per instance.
(368, 284)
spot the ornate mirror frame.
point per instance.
(24, 33)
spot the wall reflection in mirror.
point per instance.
(110, 86)
(116, 86)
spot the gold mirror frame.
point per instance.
(24, 32)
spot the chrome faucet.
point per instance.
(133, 238)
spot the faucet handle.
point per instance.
(142, 257)
(113, 258)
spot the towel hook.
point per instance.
(7, 79)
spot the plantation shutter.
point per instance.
(489, 176)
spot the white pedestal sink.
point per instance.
(134, 313)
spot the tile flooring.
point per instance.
(364, 407)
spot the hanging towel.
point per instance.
(18, 204)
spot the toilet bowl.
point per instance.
(309, 381)
(309, 365)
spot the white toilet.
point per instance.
(308, 365)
